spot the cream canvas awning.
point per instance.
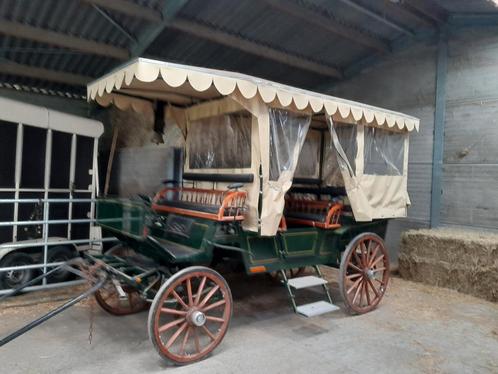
(188, 85)
(195, 93)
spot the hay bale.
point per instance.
(466, 261)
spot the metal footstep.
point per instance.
(312, 309)
(316, 308)
(306, 282)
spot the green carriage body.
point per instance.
(178, 241)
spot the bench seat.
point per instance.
(315, 213)
(212, 204)
(206, 208)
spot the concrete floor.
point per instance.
(417, 329)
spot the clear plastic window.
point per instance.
(221, 142)
(384, 152)
(287, 134)
(347, 138)
(309, 158)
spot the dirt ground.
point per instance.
(416, 329)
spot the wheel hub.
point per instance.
(197, 318)
(369, 273)
(14, 275)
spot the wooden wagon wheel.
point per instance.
(108, 297)
(190, 315)
(364, 273)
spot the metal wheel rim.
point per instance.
(190, 315)
(364, 273)
(14, 278)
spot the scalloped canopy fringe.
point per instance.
(201, 82)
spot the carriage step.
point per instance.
(306, 282)
(316, 309)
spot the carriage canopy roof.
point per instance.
(152, 79)
(236, 124)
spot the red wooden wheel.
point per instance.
(190, 315)
(108, 297)
(364, 273)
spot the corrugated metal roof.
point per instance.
(254, 20)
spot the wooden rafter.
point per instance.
(128, 8)
(151, 32)
(377, 16)
(19, 30)
(9, 67)
(330, 24)
(427, 8)
(249, 46)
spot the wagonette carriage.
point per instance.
(275, 178)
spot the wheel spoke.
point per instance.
(199, 291)
(355, 267)
(358, 260)
(196, 340)
(189, 292)
(169, 325)
(173, 311)
(357, 291)
(374, 253)
(373, 288)
(355, 284)
(362, 291)
(368, 252)
(209, 295)
(353, 276)
(215, 319)
(214, 305)
(363, 254)
(179, 299)
(176, 335)
(376, 270)
(377, 260)
(367, 292)
(209, 333)
(184, 342)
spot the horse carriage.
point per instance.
(275, 179)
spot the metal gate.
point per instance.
(48, 186)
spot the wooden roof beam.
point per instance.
(417, 10)
(428, 9)
(152, 31)
(128, 8)
(19, 30)
(13, 68)
(330, 24)
(252, 47)
(379, 17)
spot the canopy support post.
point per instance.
(439, 119)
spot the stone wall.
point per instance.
(464, 260)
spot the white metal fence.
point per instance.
(46, 242)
